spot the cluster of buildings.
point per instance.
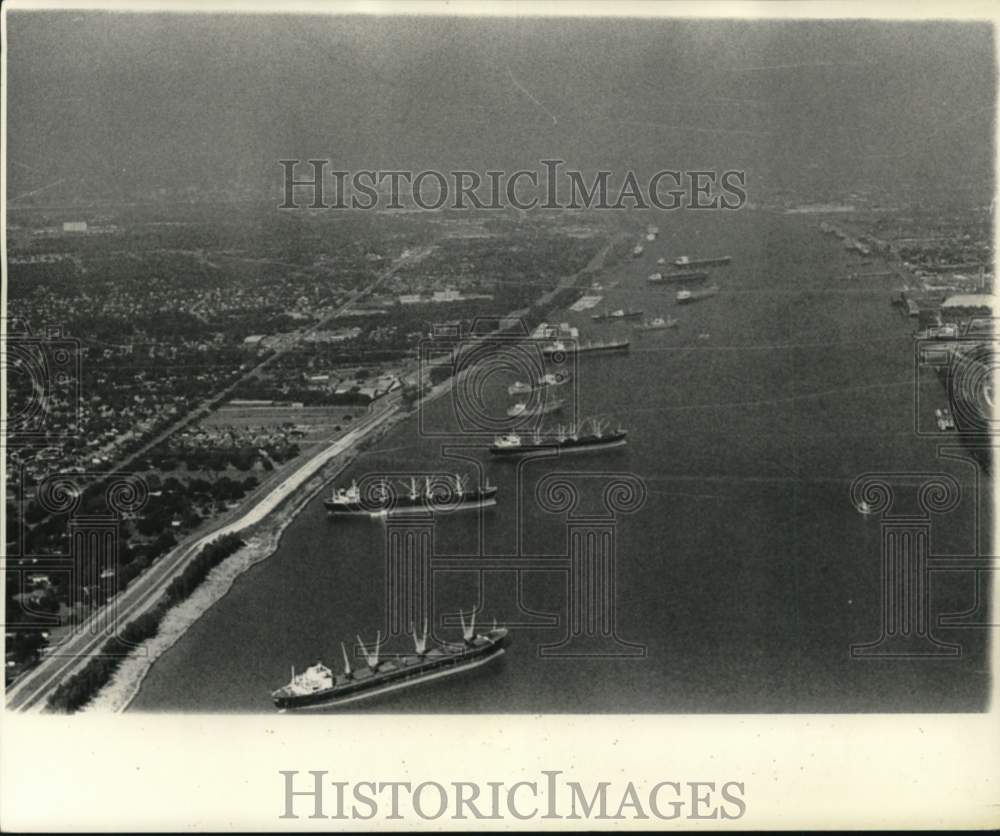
(943, 259)
(208, 437)
(438, 297)
(368, 388)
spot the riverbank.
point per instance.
(262, 543)
(262, 540)
(262, 528)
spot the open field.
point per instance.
(265, 416)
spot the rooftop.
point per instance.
(970, 300)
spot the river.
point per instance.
(742, 581)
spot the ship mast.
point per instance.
(468, 630)
(347, 662)
(371, 658)
(420, 644)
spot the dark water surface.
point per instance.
(747, 574)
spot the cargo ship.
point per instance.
(718, 261)
(616, 315)
(678, 276)
(562, 331)
(444, 493)
(318, 686)
(519, 387)
(560, 347)
(656, 324)
(562, 440)
(522, 410)
(684, 296)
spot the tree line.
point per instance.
(82, 687)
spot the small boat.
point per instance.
(545, 381)
(661, 261)
(637, 250)
(656, 324)
(522, 410)
(685, 296)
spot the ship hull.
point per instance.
(680, 276)
(706, 262)
(566, 447)
(403, 674)
(613, 318)
(536, 412)
(548, 351)
(401, 505)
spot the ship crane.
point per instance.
(468, 630)
(347, 662)
(414, 493)
(420, 644)
(371, 658)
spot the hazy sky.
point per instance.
(145, 100)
